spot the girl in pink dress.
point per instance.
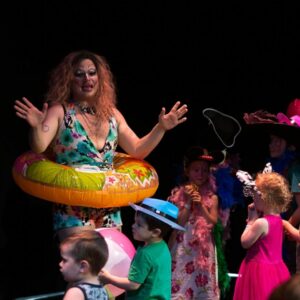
(263, 268)
(194, 268)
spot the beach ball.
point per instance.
(121, 252)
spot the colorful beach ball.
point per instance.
(121, 252)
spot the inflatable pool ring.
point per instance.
(131, 180)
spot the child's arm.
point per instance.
(295, 217)
(121, 282)
(210, 214)
(182, 219)
(254, 229)
(291, 231)
(172, 239)
(184, 212)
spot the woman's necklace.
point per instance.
(91, 125)
(85, 109)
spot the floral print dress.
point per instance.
(194, 266)
(73, 147)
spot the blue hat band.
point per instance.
(159, 212)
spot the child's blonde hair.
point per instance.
(275, 191)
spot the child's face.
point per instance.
(69, 268)
(198, 172)
(277, 146)
(140, 229)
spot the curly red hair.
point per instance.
(274, 189)
(61, 78)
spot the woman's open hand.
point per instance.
(27, 111)
(174, 117)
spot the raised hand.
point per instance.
(174, 117)
(252, 213)
(192, 192)
(27, 111)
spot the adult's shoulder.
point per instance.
(58, 107)
(118, 116)
(56, 110)
(116, 112)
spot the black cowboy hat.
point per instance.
(271, 124)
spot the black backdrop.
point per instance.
(235, 58)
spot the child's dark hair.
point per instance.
(88, 245)
(154, 223)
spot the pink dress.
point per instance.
(263, 268)
(194, 266)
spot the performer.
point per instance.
(80, 124)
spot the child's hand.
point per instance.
(191, 190)
(252, 213)
(104, 277)
(188, 190)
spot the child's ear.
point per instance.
(84, 266)
(156, 232)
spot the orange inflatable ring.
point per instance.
(131, 180)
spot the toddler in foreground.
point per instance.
(83, 256)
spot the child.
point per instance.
(263, 269)
(83, 256)
(194, 268)
(150, 271)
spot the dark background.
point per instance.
(232, 57)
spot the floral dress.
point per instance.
(73, 147)
(194, 266)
